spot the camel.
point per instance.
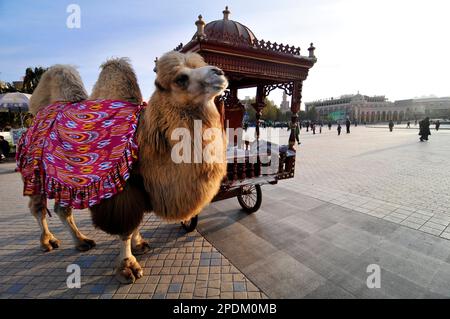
(185, 90)
(58, 83)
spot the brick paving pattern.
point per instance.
(368, 197)
(382, 174)
(179, 265)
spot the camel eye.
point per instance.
(182, 80)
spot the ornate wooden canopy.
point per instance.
(249, 62)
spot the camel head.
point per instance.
(188, 80)
(117, 81)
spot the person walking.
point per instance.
(320, 127)
(307, 126)
(438, 124)
(347, 124)
(313, 127)
(391, 125)
(329, 125)
(408, 125)
(297, 133)
(4, 147)
(424, 129)
(339, 128)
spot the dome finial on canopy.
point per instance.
(200, 27)
(226, 13)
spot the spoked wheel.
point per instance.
(250, 198)
(190, 225)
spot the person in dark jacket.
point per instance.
(438, 124)
(339, 128)
(424, 129)
(347, 124)
(4, 147)
(391, 125)
(329, 125)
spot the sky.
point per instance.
(396, 48)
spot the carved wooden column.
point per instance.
(259, 105)
(295, 108)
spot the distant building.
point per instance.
(434, 107)
(370, 109)
(285, 105)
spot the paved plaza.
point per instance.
(370, 197)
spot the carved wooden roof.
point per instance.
(246, 60)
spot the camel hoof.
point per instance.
(54, 242)
(141, 248)
(128, 271)
(85, 244)
(50, 244)
(46, 247)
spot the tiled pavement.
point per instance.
(179, 265)
(371, 197)
(386, 175)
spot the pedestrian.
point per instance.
(408, 125)
(307, 126)
(424, 129)
(438, 124)
(4, 147)
(320, 127)
(313, 127)
(297, 133)
(347, 124)
(329, 125)
(391, 125)
(339, 128)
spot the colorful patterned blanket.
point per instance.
(79, 153)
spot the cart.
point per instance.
(247, 171)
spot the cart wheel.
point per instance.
(190, 225)
(251, 198)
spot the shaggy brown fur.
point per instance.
(117, 81)
(178, 191)
(122, 214)
(59, 83)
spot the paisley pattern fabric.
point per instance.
(79, 153)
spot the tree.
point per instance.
(312, 114)
(31, 79)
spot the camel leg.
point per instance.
(82, 243)
(138, 245)
(127, 269)
(39, 211)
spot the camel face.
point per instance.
(188, 80)
(194, 86)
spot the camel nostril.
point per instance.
(217, 71)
